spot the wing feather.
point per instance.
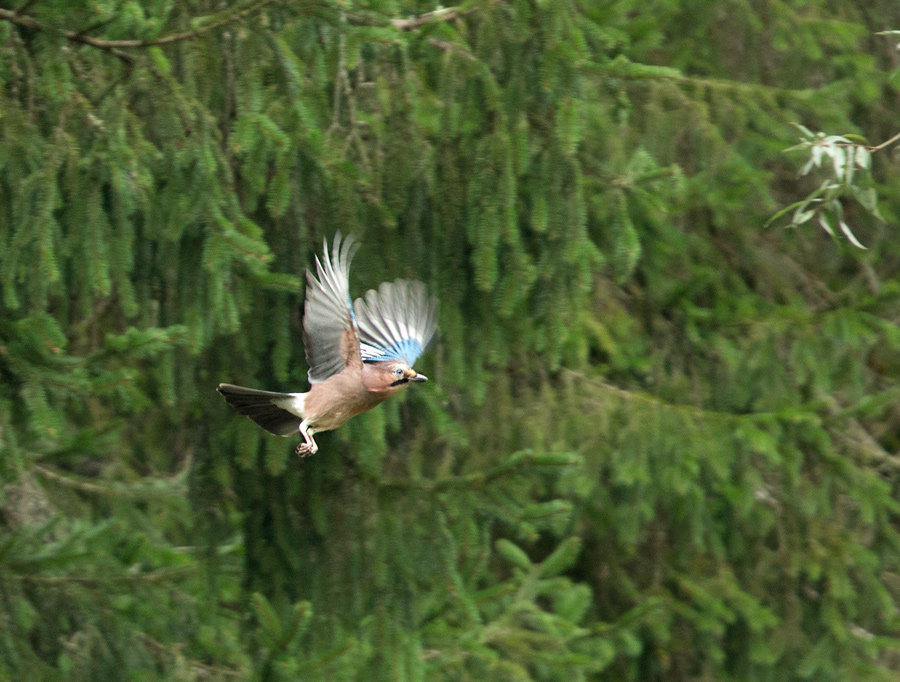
(396, 322)
(330, 334)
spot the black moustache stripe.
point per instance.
(400, 381)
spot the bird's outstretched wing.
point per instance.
(396, 322)
(330, 334)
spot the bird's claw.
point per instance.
(305, 450)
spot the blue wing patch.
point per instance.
(396, 322)
(407, 350)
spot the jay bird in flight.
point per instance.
(359, 353)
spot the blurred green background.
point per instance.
(661, 440)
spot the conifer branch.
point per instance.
(189, 35)
(679, 408)
(33, 24)
(479, 479)
(625, 70)
(151, 577)
(177, 652)
(29, 73)
(859, 440)
(135, 492)
(115, 47)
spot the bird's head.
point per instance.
(390, 377)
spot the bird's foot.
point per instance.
(305, 449)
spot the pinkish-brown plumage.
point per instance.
(352, 392)
(354, 363)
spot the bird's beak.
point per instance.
(418, 377)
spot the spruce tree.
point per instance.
(660, 439)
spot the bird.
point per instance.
(360, 353)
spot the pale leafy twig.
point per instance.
(847, 160)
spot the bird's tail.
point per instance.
(263, 408)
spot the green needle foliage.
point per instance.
(660, 438)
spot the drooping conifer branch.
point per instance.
(115, 46)
(479, 479)
(146, 489)
(33, 24)
(149, 577)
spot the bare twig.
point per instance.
(124, 76)
(443, 14)
(339, 76)
(230, 84)
(885, 143)
(823, 142)
(343, 86)
(24, 8)
(26, 71)
(447, 46)
(95, 26)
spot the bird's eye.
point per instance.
(398, 372)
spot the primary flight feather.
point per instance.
(359, 353)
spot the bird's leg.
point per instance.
(309, 447)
